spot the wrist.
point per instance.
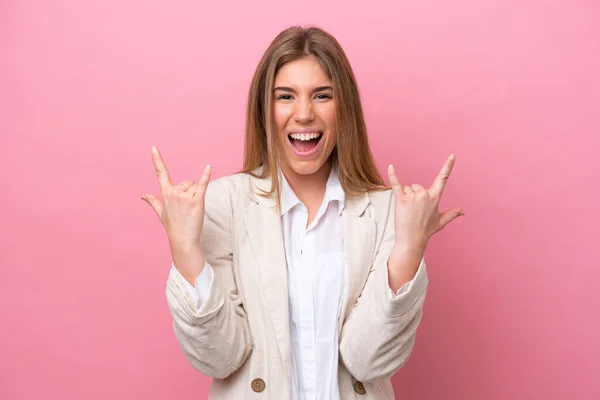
(403, 264)
(189, 261)
(183, 244)
(402, 251)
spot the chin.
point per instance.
(307, 167)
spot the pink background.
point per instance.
(511, 87)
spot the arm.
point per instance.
(199, 291)
(214, 333)
(378, 336)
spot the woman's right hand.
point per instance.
(181, 211)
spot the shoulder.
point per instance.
(381, 203)
(381, 198)
(231, 191)
(230, 185)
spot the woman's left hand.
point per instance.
(416, 215)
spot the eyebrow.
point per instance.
(289, 89)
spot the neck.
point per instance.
(310, 189)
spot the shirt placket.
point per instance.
(307, 317)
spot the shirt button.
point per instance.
(258, 385)
(359, 388)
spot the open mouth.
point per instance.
(305, 142)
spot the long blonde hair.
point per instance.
(351, 156)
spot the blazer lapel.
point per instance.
(263, 225)
(359, 245)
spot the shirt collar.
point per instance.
(333, 191)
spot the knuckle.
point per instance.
(171, 192)
(196, 198)
(181, 195)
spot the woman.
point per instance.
(301, 277)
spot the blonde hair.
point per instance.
(351, 156)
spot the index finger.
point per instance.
(439, 184)
(164, 179)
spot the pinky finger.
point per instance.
(203, 182)
(205, 175)
(394, 183)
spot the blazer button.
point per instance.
(359, 388)
(258, 385)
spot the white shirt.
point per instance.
(316, 276)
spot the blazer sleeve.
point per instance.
(379, 333)
(214, 335)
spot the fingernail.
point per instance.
(462, 213)
(390, 167)
(153, 149)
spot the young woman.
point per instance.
(301, 277)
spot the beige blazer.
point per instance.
(240, 334)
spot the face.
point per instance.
(304, 113)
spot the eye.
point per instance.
(284, 97)
(323, 96)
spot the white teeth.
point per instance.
(305, 136)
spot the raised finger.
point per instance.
(394, 183)
(439, 184)
(202, 184)
(164, 179)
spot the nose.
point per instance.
(304, 112)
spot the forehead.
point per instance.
(304, 72)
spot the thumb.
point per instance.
(449, 215)
(154, 202)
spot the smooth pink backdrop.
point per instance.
(511, 87)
